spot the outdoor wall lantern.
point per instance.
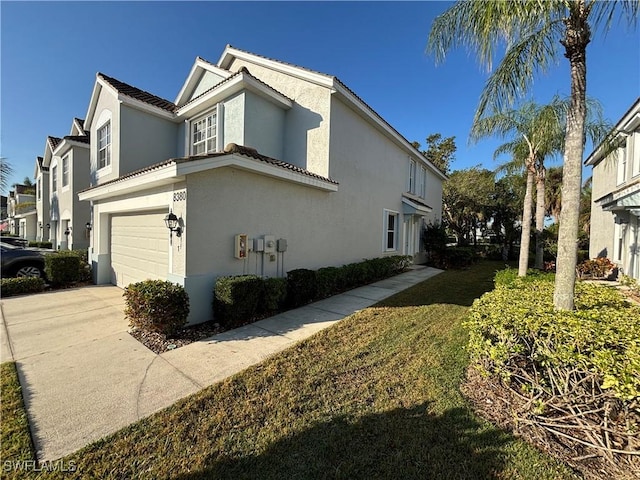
(88, 226)
(171, 221)
(67, 232)
(48, 226)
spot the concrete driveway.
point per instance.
(82, 375)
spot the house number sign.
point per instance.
(180, 196)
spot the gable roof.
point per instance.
(53, 142)
(138, 94)
(199, 67)
(337, 86)
(39, 166)
(78, 123)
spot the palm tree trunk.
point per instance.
(540, 185)
(525, 237)
(576, 38)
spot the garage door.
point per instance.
(139, 248)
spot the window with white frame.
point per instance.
(104, 145)
(422, 181)
(54, 178)
(619, 241)
(412, 176)
(204, 131)
(390, 230)
(65, 171)
(39, 188)
(622, 164)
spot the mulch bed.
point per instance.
(159, 342)
(496, 404)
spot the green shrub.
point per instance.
(156, 306)
(509, 275)
(516, 325)
(236, 299)
(329, 281)
(62, 268)
(454, 257)
(41, 244)
(21, 286)
(275, 294)
(302, 287)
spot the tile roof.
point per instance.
(80, 121)
(210, 63)
(242, 70)
(138, 94)
(232, 148)
(78, 138)
(40, 160)
(53, 142)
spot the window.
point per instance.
(622, 164)
(391, 230)
(65, 171)
(619, 241)
(39, 188)
(204, 134)
(636, 153)
(54, 178)
(422, 177)
(412, 176)
(104, 145)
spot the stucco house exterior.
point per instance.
(266, 165)
(67, 161)
(41, 177)
(21, 210)
(615, 206)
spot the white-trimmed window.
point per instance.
(422, 181)
(204, 134)
(54, 178)
(391, 220)
(412, 176)
(636, 153)
(618, 246)
(39, 188)
(622, 164)
(65, 171)
(104, 145)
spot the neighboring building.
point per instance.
(615, 208)
(21, 210)
(251, 146)
(41, 176)
(67, 160)
(3, 207)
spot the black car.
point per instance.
(15, 241)
(21, 262)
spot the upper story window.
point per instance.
(412, 176)
(39, 188)
(391, 230)
(422, 177)
(622, 164)
(65, 171)
(104, 145)
(204, 133)
(635, 145)
(54, 178)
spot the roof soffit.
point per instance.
(200, 66)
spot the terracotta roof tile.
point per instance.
(53, 142)
(78, 138)
(138, 94)
(40, 160)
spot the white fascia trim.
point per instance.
(190, 82)
(255, 166)
(318, 78)
(157, 177)
(420, 208)
(93, 103)
(67, 144)
(79, 128)
(230, 87)
(624, 127)
(382, 125)
(145, 107)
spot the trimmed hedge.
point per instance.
(62, 267)
(302, 287)
(41, 244)
(21, 286)
(508, 276)
(237, 299)
(275, 294)
(156, 306)
(454, 257)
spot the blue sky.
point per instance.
(51, 52)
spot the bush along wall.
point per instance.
(238, 300)
(62, 268)
(20, 286)
(575, 374)
(156, 306)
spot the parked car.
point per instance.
(15, 241)
(21, 262)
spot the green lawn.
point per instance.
(375, 396)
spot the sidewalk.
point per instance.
(84, 377)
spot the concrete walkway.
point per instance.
(83, 376)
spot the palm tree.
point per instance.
(533, 30)
(5, 173)
(553, 198)
(537, 132)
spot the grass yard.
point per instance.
(375, 396)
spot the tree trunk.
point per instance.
(540, 185)
(576, 38)
(523, 263)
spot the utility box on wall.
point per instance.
(269, 244)
(241, 246)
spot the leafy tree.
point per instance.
(465, 199)
(5, 172)
(552, 195)
(505, 211)
(440, 151)
(532, 32)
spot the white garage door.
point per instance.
(139, 248)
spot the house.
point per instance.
(41, 176)
(615, 206)
(264, 165)
(21, 210)
(67, 162)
